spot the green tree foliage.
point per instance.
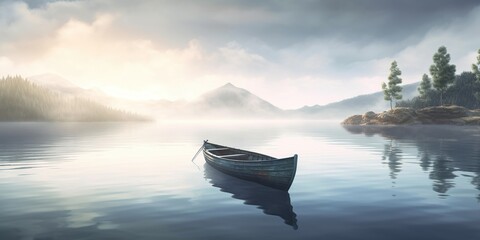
(425, 86)
(476, 71)
(476, 67)
(443, 73)
(461, 93)
(21, 100)
(392, 91)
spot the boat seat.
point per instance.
(216, 149)
(232, 155)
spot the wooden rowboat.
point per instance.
(273, 172)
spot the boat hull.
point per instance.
(276, 173)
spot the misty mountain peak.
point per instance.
(235, 99)
(228, 85)
(227, 89)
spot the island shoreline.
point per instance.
(438, 115)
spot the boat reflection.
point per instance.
(271, 201)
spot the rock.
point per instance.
(442, 112)
(353, 120)
(397, 116)
(369, 115)
(475, 120)
(475, 112)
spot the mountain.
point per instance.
(22, 100)
(234, 101)
(356, 105)
(225, 102)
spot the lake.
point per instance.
(137, 181)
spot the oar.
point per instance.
(199, 150)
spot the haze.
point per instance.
(291, 53)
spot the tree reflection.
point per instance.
(442, 151)
(476, 183)
(391, 155)
(425, 161)
(442, 174)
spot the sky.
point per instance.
(291, 53)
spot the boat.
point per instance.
(269, 171)
(271, 201)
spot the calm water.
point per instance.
(137, 181)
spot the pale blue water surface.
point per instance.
(137, 181)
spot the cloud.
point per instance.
(284, 23)
(314, 52)
(95, 54)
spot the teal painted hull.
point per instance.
(251, 166)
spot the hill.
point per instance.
(225, 102)
(234, 101)
(22, 100)
(350, 106)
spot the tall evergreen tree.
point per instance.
(392, 91)
(476, 67)
(476, 71)
(425, 86)
(443, 73)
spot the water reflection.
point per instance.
(442, 151)
(392, 157)
(442, 174)
(271, 201)
(22, 145)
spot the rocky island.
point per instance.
(451, 115)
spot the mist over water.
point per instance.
(137, 181)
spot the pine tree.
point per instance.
(476, 67)
(476, 71)
(443, 73)
(425, 86)
(392, 91)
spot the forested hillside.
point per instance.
(21, 100)
(462, 93)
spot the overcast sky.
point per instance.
(291, 53)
